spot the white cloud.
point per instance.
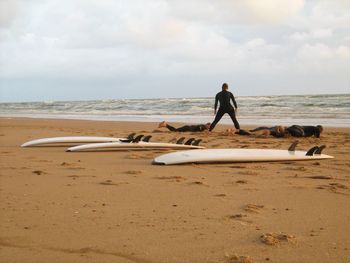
(321, 14)
(299, 36)
(273, 10)
(8, 12)
(317, 51)
(314, 34)
(343, 52)
(243, 11)
(322, 33)
(257, 42)
(103, 39)
(321, 51)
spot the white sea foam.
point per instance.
(328, 110)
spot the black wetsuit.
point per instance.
(273, 131)
(305, 131)
(188, 128)
(243, 132)
(224, 97)
(312, 131)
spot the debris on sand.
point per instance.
(274, 239)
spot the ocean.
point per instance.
(327, 110)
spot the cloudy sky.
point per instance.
(108, 49)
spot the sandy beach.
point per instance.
(114, 206)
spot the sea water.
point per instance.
(327, 110)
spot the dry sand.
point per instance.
(117, 207)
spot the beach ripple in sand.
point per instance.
(273, 239)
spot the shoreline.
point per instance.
(226, 121)
(114, 206)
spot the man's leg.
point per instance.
(233, 118)
(259, 129)
(218, 117)
(185, 128)
(171, 128)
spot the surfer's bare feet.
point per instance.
(162, 124)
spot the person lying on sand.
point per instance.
(305, 131)
(275, 131)
(294, 130)
(186, 128)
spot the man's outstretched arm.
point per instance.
(216, 103)
(233, 100)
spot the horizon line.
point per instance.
(189, 97)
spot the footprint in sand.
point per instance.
(241, 182)
(322, 177)
(38, 172)
(74, 177)
(336, 188)
(110, 182)
(248, 172)
(259, 167)
(252, 208)
(275, 239)
(240, 217)
(236, 259)
(133, 172)
(72, 166)
(302, 169)
(198, 183)
(177, 178)
(133, 156)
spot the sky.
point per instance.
(109, 49)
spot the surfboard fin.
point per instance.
(137, 138)
(189, 141)
(131, 136)
(196, 142)
(320, 149)
(181, 140)
(147, 138)
(312, 151)
(293, 146)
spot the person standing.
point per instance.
(224, 97)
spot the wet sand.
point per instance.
(116, 207)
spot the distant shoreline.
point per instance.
(177, 98)
(185, 119)
(326, 110)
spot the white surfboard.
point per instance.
(235, 155)
(70, 139)
(131, 145)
